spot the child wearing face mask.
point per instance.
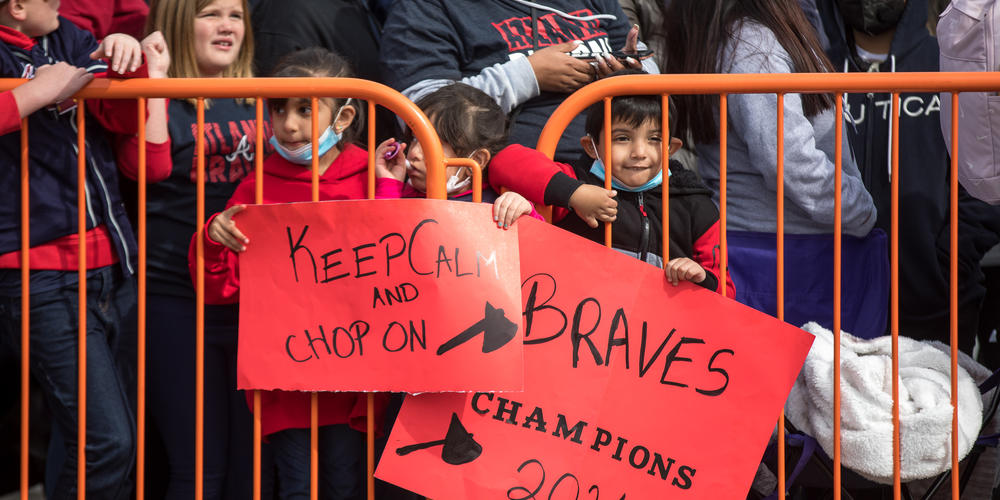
(470, 124)
(285, 416)
(634, 204)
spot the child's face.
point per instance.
(292, 123)
(218, 36)
(41, 17)
(417, 170)
(635, 151)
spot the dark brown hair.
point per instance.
(317, 62)
(697, 31)
(466, 119)
(633, 110)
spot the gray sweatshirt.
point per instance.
(809, 153)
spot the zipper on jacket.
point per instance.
(644, 235)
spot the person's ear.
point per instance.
(16, 10)
(481, 156)
(589, 146)
(344, 118)
(675, 144)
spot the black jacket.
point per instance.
(924, 179)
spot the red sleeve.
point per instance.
(10, 115)
(525, 170)
(159, 162)
(387, 188)
(222, 270)
(707, 253)
(117, 115)
(528, 172)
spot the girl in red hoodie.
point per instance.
(285, 416)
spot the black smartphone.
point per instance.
(618, 54)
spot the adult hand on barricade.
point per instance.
(124, 54)
(594, 204)
(683, 268)
(508, 207)
(223, 230)
(57, 82)
(557, 71)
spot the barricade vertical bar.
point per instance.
(724, 243)
(314, 397)
(199, 311)
(665, 161)
(140, 417)
(258, 159)
(837, 256)
(780, 235)
(953, 294)
(894, 301)
(606, 138)
(81, 212)
(25, 307)
(370, 410)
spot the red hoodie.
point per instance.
(345, 179)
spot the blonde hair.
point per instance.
(175, 19)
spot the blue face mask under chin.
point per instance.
(302, 155)
(598, 169)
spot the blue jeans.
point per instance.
(339, 463)
(110, 446)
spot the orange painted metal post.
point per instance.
(780, 235)
(258, 159)
(25, 307)
(953, 294)
(314, 397)
(894, 301)
(140, 418)
(724, 243)
(837, 256)
(665, 161)
(606, 139)
(81, 212)
(477, 175)
(199, 311)
(370, 399)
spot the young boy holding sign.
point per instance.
(634, 204)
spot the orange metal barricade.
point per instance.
(258, 88)
(781, 84)
(375, 93)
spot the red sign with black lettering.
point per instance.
(387, 295)
(634, 389)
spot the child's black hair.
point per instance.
(317, 62)
(466, 119)
(633, 110)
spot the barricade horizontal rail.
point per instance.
(576, 103)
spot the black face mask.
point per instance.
(871, 16)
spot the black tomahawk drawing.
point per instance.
(459, 447)
(497, 330)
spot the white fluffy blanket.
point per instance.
(866, 405)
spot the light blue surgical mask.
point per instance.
(598, 169)
(302, 155)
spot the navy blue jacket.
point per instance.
(53, 155)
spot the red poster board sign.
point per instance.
(388, 295)
(634, 389)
